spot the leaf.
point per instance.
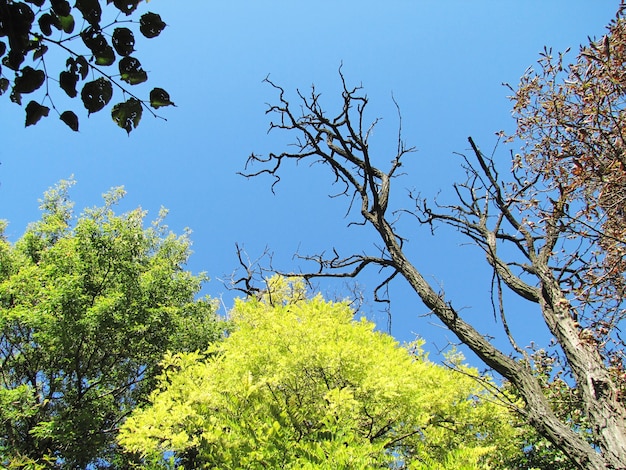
(14, 59)
(126, 6)
(4, 85)
(36, 2)
(3, 48)
(98, 46)
(29, 81)
(46, 21)
(83, 66)
(68, 81)
(131, 71)
(159, 97)
(151, 25)
(91, 10)
(40, 51)
(127, 114)
(106, 56)
(96, 94)
(61, 7)
(70, 118)
(123, 41)
(34, 112)
(93, 39)
(67, 23)
(17, 19)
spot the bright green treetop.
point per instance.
(301, 384)
(88, 306)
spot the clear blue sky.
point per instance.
(444, 62)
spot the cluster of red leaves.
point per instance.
(572, 120)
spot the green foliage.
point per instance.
(302, 384)
(52, 23)
(88, 306)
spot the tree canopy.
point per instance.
(300, 383)
(551, 228)
(88, 307)
(33, 27)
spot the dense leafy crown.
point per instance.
(88, 306)
(300, 383)
(28, 31)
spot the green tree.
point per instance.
(88, 307)
(299, 383)
(551, 227)
(85, 56)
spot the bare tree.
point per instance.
(549, 237)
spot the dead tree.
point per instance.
(522, 212)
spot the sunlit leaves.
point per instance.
(159, 97)
(301, 384)
(96, 94)
(151, 25)
(88, 306)
(131, 71)
(70, 118)
(34, 112)
(127, 114)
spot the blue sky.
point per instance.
(444, 62)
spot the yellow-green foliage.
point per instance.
(301, 384)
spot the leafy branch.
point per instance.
(17, 24)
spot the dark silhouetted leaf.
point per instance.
(40, 51)
(36, 2)
(151, 25)
(47, 21)
(29, 81)
(45, 24)
(4, 85)
(127, 114)
(131, 71)
(83, 66)
(69, 118)
(67, 23)
(91, 10)
(159, 97)
(96, 94)
(17, 19)
(3, 48)
(93, 39)
(68, 81)
(98, 45)
(126, 6)
(14, 59)
(105, 56)
(16, 97)
(123, 41)
(34, 112)
(61, 7)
